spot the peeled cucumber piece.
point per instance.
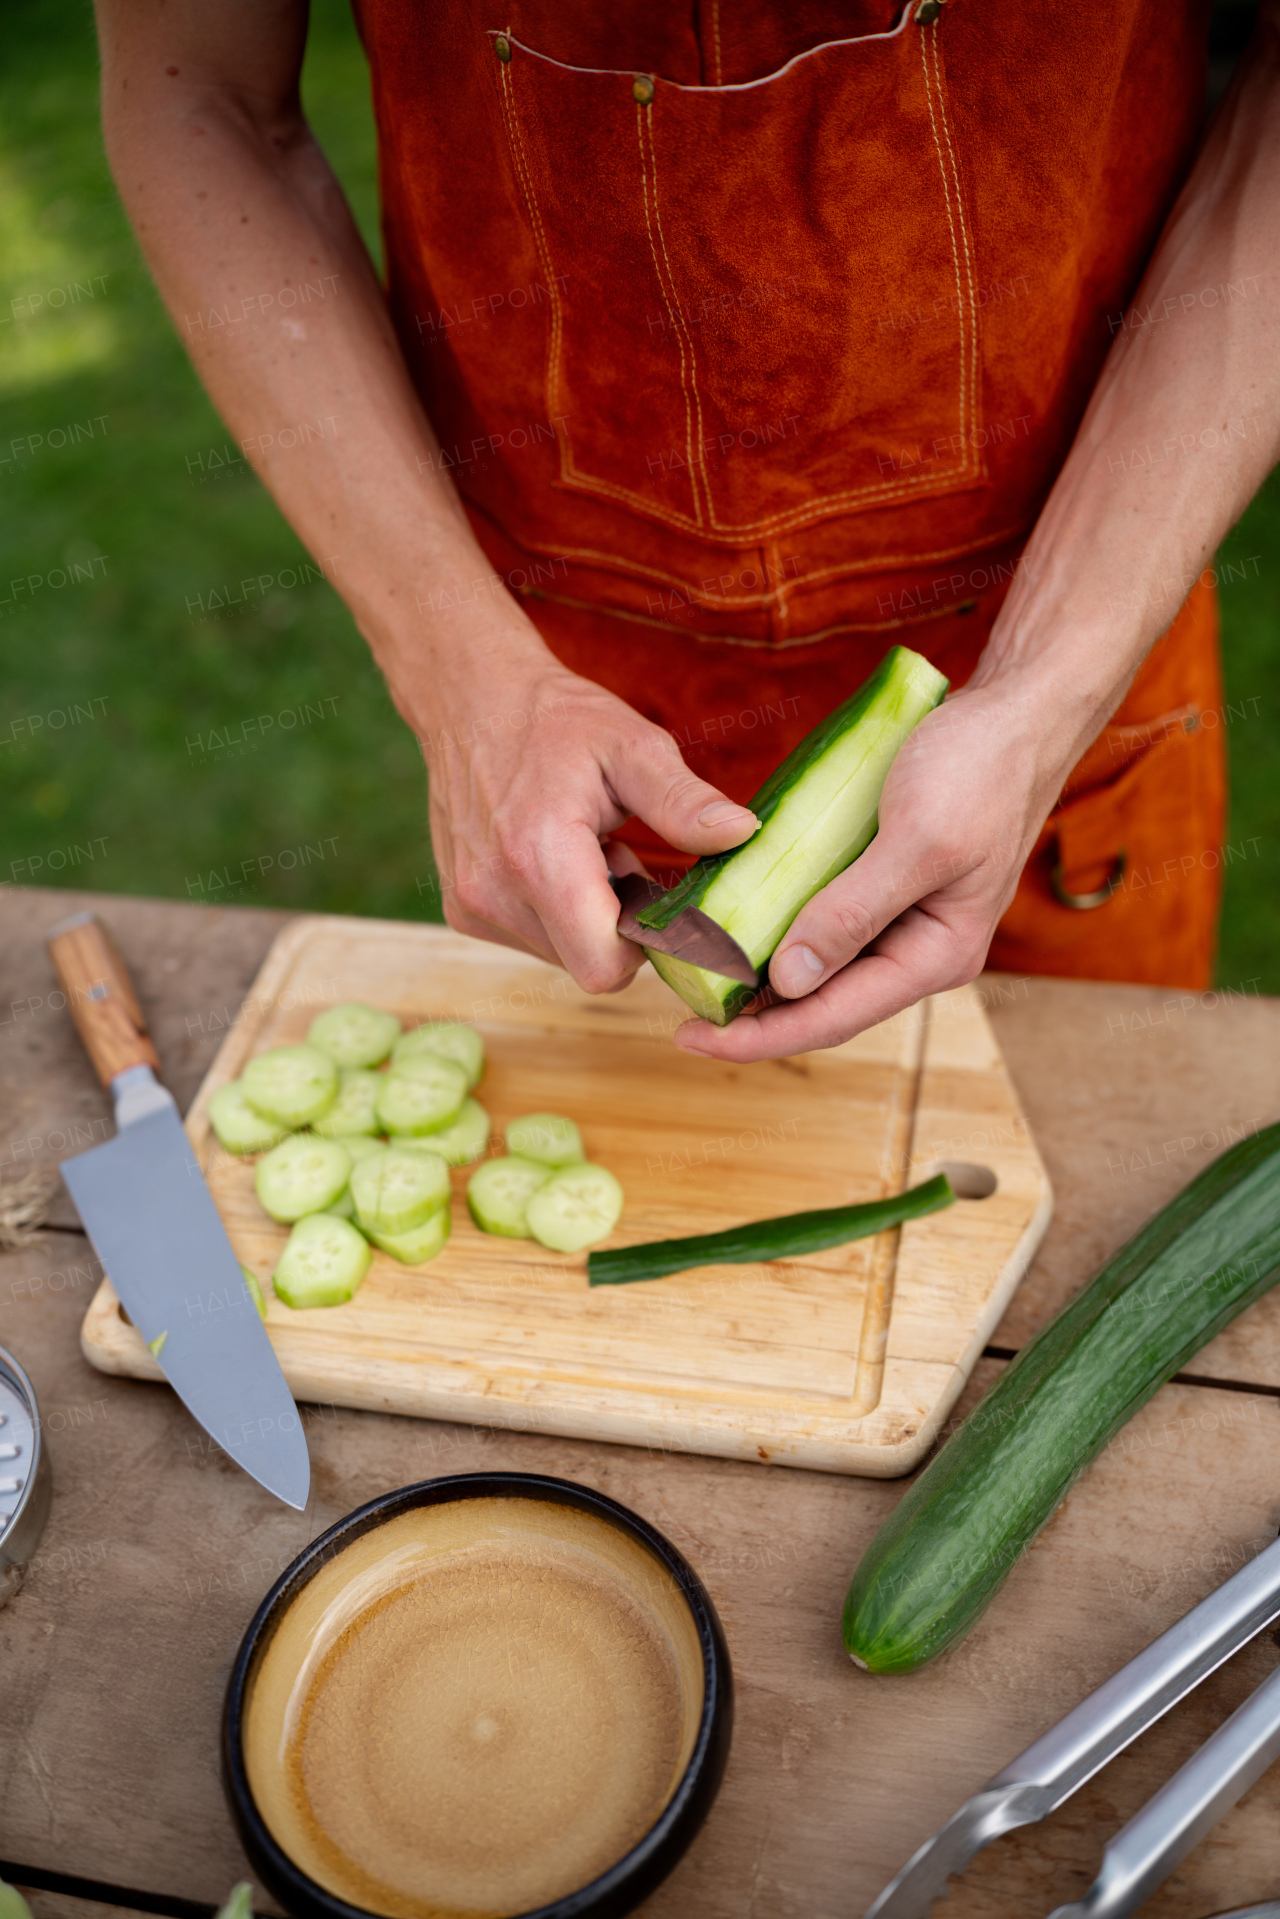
(396, 1192)
(355, 1110)
(322, 1264)
(817, 812)
(416, 1248)
(574, 1208)
(291, 1084)
(457, 1144)
(547, 1137)
(422, 1096)
(240, 1127)
(354, 1035)
(301, 1175)
(447, 1039)
(499, 1191)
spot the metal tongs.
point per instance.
(1145, 1851)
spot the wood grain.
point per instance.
(115, 1653)
(101, 997)
(750, 1362)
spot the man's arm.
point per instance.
(965, 801)
(239, 214)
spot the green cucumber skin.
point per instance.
(788, 1237)
(709, 994)
(690, 890)
(952, 1540)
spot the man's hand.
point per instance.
(915, 914)
(529, 770)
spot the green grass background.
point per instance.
(131, 507)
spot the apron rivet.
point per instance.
(502, 47)
(642, 88)
(927, 12)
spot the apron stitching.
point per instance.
(544, 251)
(974, 394)
(789, 519)
(955, 249)
(627, 564)
(673, 305)
(735, 639)
(715, 28)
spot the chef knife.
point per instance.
(154, 1226)
(692, 935)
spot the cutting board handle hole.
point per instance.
(969, 1181)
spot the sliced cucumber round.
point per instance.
(499, 1192)
(416, 1248)
(575, 1208)
(547, 1137)
(359, 1145)
(396, 1192)
(354, 1035)
(322, 1264)
(447, 1039)
(423, 1096)
(301, 1175)
(239, 1126)
(291, 1084)
(458, 1144)
(354, 1111)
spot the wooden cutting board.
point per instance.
(845, 1361)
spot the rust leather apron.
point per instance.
(755, 337)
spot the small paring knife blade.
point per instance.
(152, 1220)
(692, 936)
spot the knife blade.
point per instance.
(692, 936)
(150, 1215)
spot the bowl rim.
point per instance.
(622, 1886)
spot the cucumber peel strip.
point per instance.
(788, 1237)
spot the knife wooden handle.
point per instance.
(100, 995)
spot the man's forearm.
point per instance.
(1183, 427)
(274, 296)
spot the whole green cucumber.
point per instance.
(950, 1543)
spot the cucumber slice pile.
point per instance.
(290, 1084)
(417, 1247)
(422, 1095)
(341, 1185)
(239, 1126)
(499, 1192)
(396, 1192)
(354, 1035)
(354, 1110)
(322, 1264)
(575, 1207)
(457, 1144)
(447, 1039)
(301, 1175)
(547, 1137)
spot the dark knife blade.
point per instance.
(692, 936)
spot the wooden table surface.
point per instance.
(114, 1655)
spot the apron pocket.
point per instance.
(762, 298)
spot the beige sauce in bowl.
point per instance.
(474, 1709)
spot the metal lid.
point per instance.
(26, 1482)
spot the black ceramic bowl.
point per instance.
(619, 1889)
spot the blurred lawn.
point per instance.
(111, 684)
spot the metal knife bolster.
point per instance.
(692, 936)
